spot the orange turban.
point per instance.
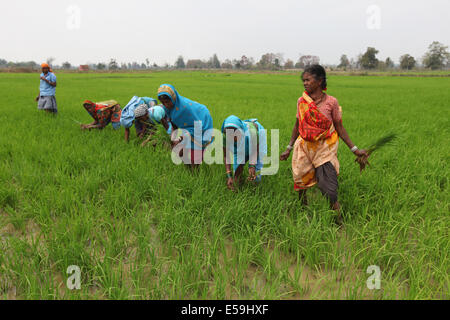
(45, 65)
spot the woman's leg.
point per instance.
(327, 182)
(302, 197)
(238, 174)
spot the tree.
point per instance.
(289, 64)
(50, 60)
(66, 65)
(270, 61)
(345, 63)
(3, 62)
(179, 64)
(113, 65)
(245, 62)
(437, 56)
(307, 60)
(101, 66)
(194, 64)
(227, 64)
(407, 62)
(389, 63)
(214, 62)
(277, 63)
(369, 60)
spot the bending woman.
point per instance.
(128, 117)
(246, 141)
(183, 114)
(103, 113)
(148, 118)
(315, 139)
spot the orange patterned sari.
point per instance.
(316, 144)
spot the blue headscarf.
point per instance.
(241, 148)
(185, 112)
(127, 117)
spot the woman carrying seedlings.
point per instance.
(315, 139)
(128, 116)
(246, 141)
(193, 118)
(148, 118)
(103, 113)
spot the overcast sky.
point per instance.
(82, 31)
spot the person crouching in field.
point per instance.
(103, 113)
(128, 117)
(315, 139)
(187, 114)
(246, 141)
(46, 99)
(148, 118)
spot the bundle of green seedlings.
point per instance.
(363, 160)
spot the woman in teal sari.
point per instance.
(246, 141)
(193, 118)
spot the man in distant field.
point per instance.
(46, 98)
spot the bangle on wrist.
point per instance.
(289, 147)
(354, 149)
(229, 175)
(251, 166)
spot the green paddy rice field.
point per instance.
(140, 227)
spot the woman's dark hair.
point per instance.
(318, 72)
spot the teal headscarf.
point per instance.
(157, 113)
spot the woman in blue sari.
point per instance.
(193, 118)
(246, 141)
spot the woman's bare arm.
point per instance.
(294, 137)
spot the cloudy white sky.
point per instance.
(82, 31)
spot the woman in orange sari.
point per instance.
(315, 139)
(103, 113)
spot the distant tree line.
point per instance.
(437, 57)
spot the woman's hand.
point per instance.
(360, 153)
(362, 157)
(251, 174)
(285, 155)
(230, 183)
(176, 142)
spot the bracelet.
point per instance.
(251, 166)
(229, 175)
(354, 149)
(289, 147)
